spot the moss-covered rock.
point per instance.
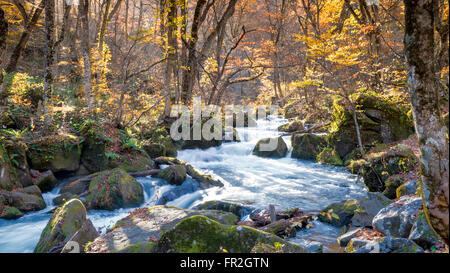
(339, 214)
(8, 175)
(391, 185)
(147, 224)
(381, 120)
(62, 226)
(46, 181)
(86, 234)
(235, 208)
(114, 189)
(292, 126)
(282, 228)
(199, 234)
(17, 154)
(159, 143)
(93, 155)
(78, 187)
(132, 161)
(307, 146)
(271, 147)
(422, 233)
(329, 156)
(407, 188)
(174, 174)
(25, 202)
(9, 213)
(63, 198)
(56, 153)
(379, 167)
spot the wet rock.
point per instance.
(78, 187)
(237, 209)
(344, 239)
(9, 213)
(422, 233)
(8, 174)
(145, 224)
(383, 245)
(113, 189)
(56, 153)
(23, 201)
(339, 214)
(271, 147)
(329, 156)
(63, 198)
(391, 185)
(398, 218)
(33, 190)
(46, 181)
(87, 233)
(174, 174)
(203, 235)
(307, 146)
(368, 208)
(188, 186)
(65, 222)
(292, 126)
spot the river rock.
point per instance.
(144, 224)
(422, 233)
(345, 238)
(307, 146)
(277, 148)
(113, 189)
(132, 161)
(329, 156)
(8, 174)
(9, 213)
(188, 186)
(23, 201)
(397, 218)
(237, 209)
(63, 198)
(174, 174)
(282, 228)
(46, 181)
(17, 154)
(339, 214)
(292, 126)
(65, 222)
(201, 234)
(87, 233)
(391, 185)
(56, 153)
(383, 245)
(368, 208)
(78, 187)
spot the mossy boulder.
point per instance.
(381, 119)
(408, 188)
(46, 181)
(86, 234)
(145, 225)
(132, 161)
(78, 186)
(307, 146)
(23, 201)
(8, 174)
(159, 143)
(9, 213)
(397, 160)
(271, 147)
(292, 126)
(339, 214)
(173, 174)
(113, 189)
(391, 184)
(93, 155)
(200, 234)
(17, 155)
(422, 233)
(65, 222)
(235, 208)
(56, 153)
(329, 156)
(63, 198)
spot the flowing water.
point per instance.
(256, 181)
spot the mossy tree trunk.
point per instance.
(430, 127)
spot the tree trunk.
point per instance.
(3, 35)
(24, 38)
(49, 52)
(84, 11)
(430, 127)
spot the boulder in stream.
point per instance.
(237, 209)
(271, 147)
(46, 181)
(173, 174)
(307, 146)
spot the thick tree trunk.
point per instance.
(29, 27)
(430, 127)
(83, 9)
(3, 35)
(171, 55)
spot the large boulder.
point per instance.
(24, 201)
(132, 161)
(329, 156)
(339, 214)
(422, 233)
(173, 174)
(407, 188)
(379, 167)
(159, 143)
(113, 189)
(397, 219)
(201, 234)
(368, 208)
(87, 233)
(145, 224)
(271, 147)
(9, 213)
(65, 222)
(381, 120)
(56, 153)
(383, 245)
(17, 154)
(8, 174)
(235, 208)
(78, 186)
(46, 181)
(345, 238)
(307, 146)
(292, 126)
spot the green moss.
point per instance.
(339, 214)
(10, 213)
(329, 156)
(199, 234)
(133, 161)
(8, 178)
(148, 247)
(174, 174)
(392, 184)
(307, 146)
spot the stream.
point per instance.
(248, 179)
